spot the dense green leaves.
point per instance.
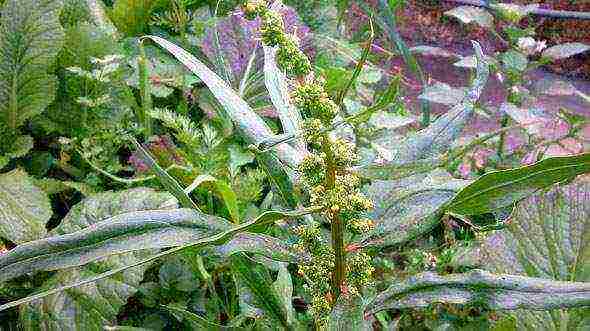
(24, 208)
(254, 129)
(499, 189)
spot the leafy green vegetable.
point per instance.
(30, 38)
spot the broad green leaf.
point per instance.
(99, 17)
(482, 289)
(257, 279)
(500, 189)
(24, 208)
(252, 126)
(547, 237)
(132, 16)
(469, 14)
(408, 208)
(127, 232)
(443, 93)
(93, 305)
(563, 51)
(429, 144)
(30, 38)
(20, 147)
(349, 314)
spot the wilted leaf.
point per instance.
(443, 93)
(24, 208)
(554, 87)
(468, 14)
(566, 50)
(499, 189)
(547, 237)
(386, 120)
(407, 208)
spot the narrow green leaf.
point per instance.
(481, 288)
(24, 208)
(499, 189)
(165, 178)
(124, 233)
(278, 90)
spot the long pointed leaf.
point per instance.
(251, 125)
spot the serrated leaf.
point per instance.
(24, 208)
(30, 38)
(469, 14)
(500, 189)
(93, 305)
(563, 51)
(482, 289)
(443, 93)
(547, 237)
(407, 208)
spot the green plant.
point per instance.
(388, 238)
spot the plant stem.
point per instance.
(504, 124)
(338, 275)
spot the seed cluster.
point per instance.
(324, 172)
